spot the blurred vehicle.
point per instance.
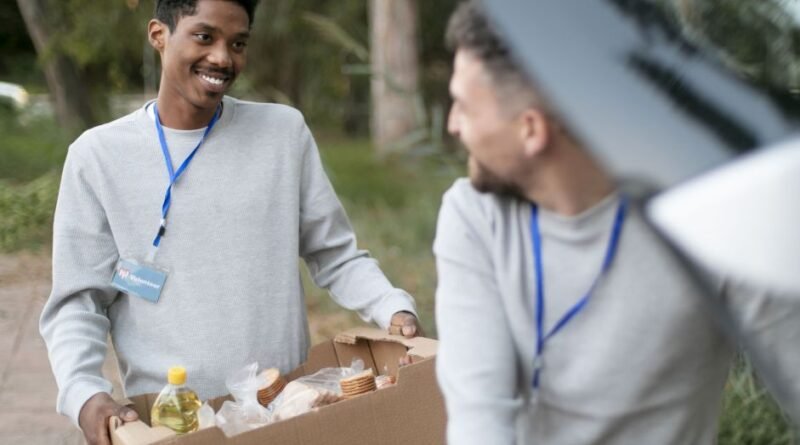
(697, 104)
(14, 95)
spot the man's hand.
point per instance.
(94, 416)
(405, 324)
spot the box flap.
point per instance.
(419, 347)
(136, 432)
(412, 411)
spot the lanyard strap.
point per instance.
(541, 336)
(174, 174)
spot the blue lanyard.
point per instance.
(175, 174)
(541, 337)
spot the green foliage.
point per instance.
(108, 64)
(18, 60)
(290, 61)
(435, 58)
(299, 54)
(32, 151)
(334, 33)
(30, 146)
(426, 139)
(303, 52)
(750, 416)
(26, 212)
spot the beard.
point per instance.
(485, 181)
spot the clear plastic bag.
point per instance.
(298, 398)
(328, 378)
(206, 416)
(245, 413)
(312, 391)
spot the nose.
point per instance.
(220, 55)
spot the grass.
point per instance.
(30, 146)
(392, 204)
(26, 212)
(750, 416)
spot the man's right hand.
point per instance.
(94, 415)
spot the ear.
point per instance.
(157, 34)
(534, 131)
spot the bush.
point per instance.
(31, 145)
(26, 212)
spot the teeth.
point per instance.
(212, 80)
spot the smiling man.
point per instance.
(178, 230)
(562, 318)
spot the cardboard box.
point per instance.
(410, 412)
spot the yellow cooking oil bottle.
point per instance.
(176, 406)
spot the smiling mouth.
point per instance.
(214, 80)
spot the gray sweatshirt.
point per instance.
(254, 198)
(643, 362)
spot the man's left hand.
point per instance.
(405, 324)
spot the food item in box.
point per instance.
(358, 384)
(273, 384)
(384, 381)
(298, 398)
(177, 405)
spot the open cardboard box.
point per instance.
(409, 412)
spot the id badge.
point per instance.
(143, 280)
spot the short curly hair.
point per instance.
(170, 11)
(471, 30)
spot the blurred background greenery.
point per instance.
(313, 54)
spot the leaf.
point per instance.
(335, 34)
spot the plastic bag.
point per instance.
(245, 413)
(299, 398)
(206, 416)
(328, 378)
(312, 391)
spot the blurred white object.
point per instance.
(298, 398)
(18, 96)
(205, 415)
(245, 413)
(741, 219)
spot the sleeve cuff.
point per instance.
(76, 393)
(396, 301)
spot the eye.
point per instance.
(240, 45)
(203, 37)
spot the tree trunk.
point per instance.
(393, 47)
(68, 94)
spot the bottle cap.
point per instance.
(176, 375)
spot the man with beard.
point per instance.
(561, 317)
(178, 230)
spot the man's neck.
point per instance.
(570, 185)
(180, 115)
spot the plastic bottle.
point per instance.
(176, 406)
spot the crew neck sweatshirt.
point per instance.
(253, 200)
(642, 362)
